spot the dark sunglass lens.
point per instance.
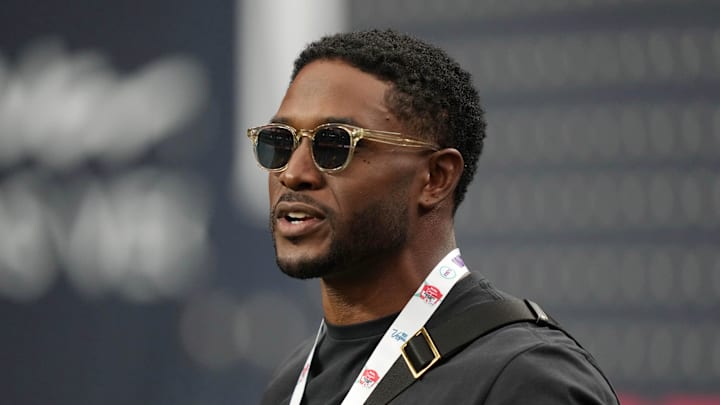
(274, 147)
(331, 147)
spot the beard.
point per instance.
(379, 229)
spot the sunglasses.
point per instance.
(332, 148)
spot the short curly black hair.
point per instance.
(431, 94)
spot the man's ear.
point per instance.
(444, 169)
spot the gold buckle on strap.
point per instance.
(436, 354)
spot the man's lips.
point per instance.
(294, 219)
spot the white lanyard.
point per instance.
(413, 317)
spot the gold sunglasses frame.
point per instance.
(356, 134)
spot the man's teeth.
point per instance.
(297, 216)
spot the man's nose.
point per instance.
(301, 172)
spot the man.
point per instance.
(370, 154)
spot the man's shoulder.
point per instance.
(522, 353)
(540, 362)
(519, 363)
(523, 361)
(512, 341)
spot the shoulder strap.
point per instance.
(427, 347)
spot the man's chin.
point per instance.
(307, 267)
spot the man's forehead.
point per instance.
(333, 91)
(328, 77)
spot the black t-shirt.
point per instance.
(518, 364)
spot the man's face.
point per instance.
(326, 224)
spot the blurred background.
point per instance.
(135, 262)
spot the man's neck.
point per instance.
(377, 291)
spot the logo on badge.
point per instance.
(368, 378)
(447, 272)
(459, 261)
(304, 373)
(399, 335)
(430, 294)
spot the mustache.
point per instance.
(297, 197)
